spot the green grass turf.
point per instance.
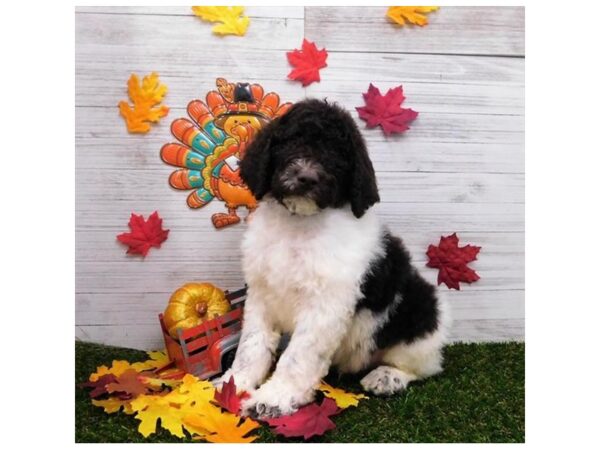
(480, 397)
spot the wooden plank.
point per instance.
(205, 244)
(99, 147)
(380, 67)
(143, 337)
(404, 217)
(285, 12)
(143, 308)
(432, 82)
(111, 185)
(428, 97)
(433, 127)
(489, 330)
(451, 30)
(134, 276)
(436, 142)
(181, 34)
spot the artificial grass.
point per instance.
(480, 397)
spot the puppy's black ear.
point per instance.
(363, 189)
(256, 167)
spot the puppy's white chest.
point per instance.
(295, 265)
(290, 275)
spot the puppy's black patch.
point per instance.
(391, 281)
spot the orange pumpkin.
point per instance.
(192, 304)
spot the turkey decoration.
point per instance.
(213, 143)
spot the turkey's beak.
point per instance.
(243, 131)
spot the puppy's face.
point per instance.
(311, 159)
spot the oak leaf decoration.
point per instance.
(144, 234)
(232, 21)
(145, 98)
(307, 62)
(452, 260)
(412, 14)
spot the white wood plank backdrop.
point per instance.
(460, 167)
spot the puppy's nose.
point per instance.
(307, 179)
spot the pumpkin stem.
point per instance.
(201, 308)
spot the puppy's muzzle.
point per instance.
(301, 177)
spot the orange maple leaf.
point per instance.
(412, 14)
(216, 426)
(144, 97)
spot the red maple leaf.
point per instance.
(308, 421)
(99, 387)
(127, 385)
(306, 63)
(144, 234)
(385, 110)
(452, 260)
(228, 398)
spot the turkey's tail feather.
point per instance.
(200, 114)
(199, 198)
(185, 179)
(190, 135)
(180, 156)
(200, 138)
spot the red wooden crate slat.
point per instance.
(211, 324)
(197, 343)
(233, 328)
(198, 357)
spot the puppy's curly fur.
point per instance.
(321, 268)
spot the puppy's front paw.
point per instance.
(242, 382)
(274, 400)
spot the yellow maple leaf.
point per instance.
(230, 17)
(157, 359)
(113, 405)
(117, 368)
(342, 398)
(196, 389)
(217, 426)
(170, 409)
(412, 14)
(192, 396)
(144, 97)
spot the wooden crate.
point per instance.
(200, 350)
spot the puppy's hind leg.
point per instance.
(387, 380)
(403, 363)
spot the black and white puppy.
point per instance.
(320, 267)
